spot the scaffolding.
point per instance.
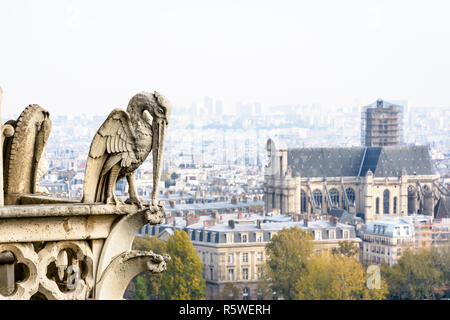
(382, 124)
(431, 234)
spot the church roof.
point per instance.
(356, 161)
(325, 162)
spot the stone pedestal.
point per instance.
(72, 250)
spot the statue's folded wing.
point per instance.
(114, 142)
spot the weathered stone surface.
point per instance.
(124, 268)
(122, 144)
(55, 228)
(67, 209)
(22, 152)
(122, 235)
(57, 248)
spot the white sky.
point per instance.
(92, 56)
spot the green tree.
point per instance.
(418, 275)
(141, 288)
(183, 278)
(230, 292)
(346, 248)
(146, 285)
(335, 277)
(288, 253)
(264, 286)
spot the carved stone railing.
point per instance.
(52, 248)
(56, 249)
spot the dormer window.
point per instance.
(317, 235)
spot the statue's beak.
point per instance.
(159, 133)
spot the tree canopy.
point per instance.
(288, 253)
(419, 275)
(230, 292)
(335, 277)
(295, 271)
(347, 248)
(183, 278)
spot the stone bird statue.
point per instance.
(122, 144)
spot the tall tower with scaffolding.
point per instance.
(382, 124)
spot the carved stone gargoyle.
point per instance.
(122, 144)
(23, 146)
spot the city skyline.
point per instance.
(74, 56)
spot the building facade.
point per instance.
(232, 248)
(384, 241)
(370, 182)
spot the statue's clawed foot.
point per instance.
(112, 199)
(137, 201)
(154, 214)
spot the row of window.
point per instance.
(259, 257)
(331, 234)
(334, 195)
(244, 273)
(378, 240)
(244, 238)
(385, 204)
(245, 255)
(378, 249)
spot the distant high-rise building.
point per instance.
(219, 107)
(382, 124)
(258, 109)
(208, 105)
(194, 110)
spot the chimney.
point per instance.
(333, 221)
(191, 219)
(215, 215)
(209, 223)
(231, 223)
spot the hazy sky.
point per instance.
(92, 56)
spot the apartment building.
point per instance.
(232, 246)
(385, 240)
